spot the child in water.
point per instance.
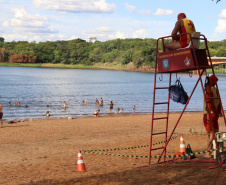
(47, 114)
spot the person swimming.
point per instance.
(121, 111)
(47, 114)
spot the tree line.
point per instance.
(140, 52)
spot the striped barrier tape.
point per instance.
(156, 156)
(143, 146)
(133, 147)
(195, 134)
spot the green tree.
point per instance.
(2, 39)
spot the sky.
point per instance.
(51, 20)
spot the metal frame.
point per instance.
(200, 73)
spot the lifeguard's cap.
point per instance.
(213, 79)
(181, 15)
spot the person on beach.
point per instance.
(1, 114)
(84, 102)
(183, 25)
(134, 107)
(96, 113)
(18, 103)
(111, 106)
(9, 103)
(47, 114)
(212, 106)
(101, 102)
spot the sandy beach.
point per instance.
(45, 151)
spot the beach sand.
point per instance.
(45, 151)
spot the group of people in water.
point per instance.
(101, 103)
(96, 113)
(16, 104)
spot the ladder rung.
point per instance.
(157, 148)
(161, 87)
(161, 103)
(160, 118)
(159, 133)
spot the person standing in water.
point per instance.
(101, 102)
(111, 106)
(65, 105)
(47, 114)
(134, 107)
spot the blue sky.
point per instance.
(51, 20)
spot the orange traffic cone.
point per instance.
(182, 145)
(80, 163)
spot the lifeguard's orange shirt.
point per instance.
(187, 27)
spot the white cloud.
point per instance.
(221, 27)
(5, 23)
(130, 8)
(118, 35)
(103, 29)
(23, 19)
(15, 36)
(75, 6)
(33, 37)
(140, 33)
(26, 22)
(223, 14)
(163, 12)
(73, 37)
(26, 26)
(99, 32)
(144, 12)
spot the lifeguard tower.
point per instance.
(181, 60)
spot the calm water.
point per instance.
(38, 87)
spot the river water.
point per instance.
(38, 87)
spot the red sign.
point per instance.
(181, 60)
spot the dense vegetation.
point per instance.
(141, 52)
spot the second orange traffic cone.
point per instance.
(80, 163)
(182, 145)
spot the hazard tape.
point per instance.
(195, 134)
(156, 156)
(133, 147)
(143, 146)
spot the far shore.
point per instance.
(97, 66)
(100, 66)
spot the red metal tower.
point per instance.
(181, 60)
